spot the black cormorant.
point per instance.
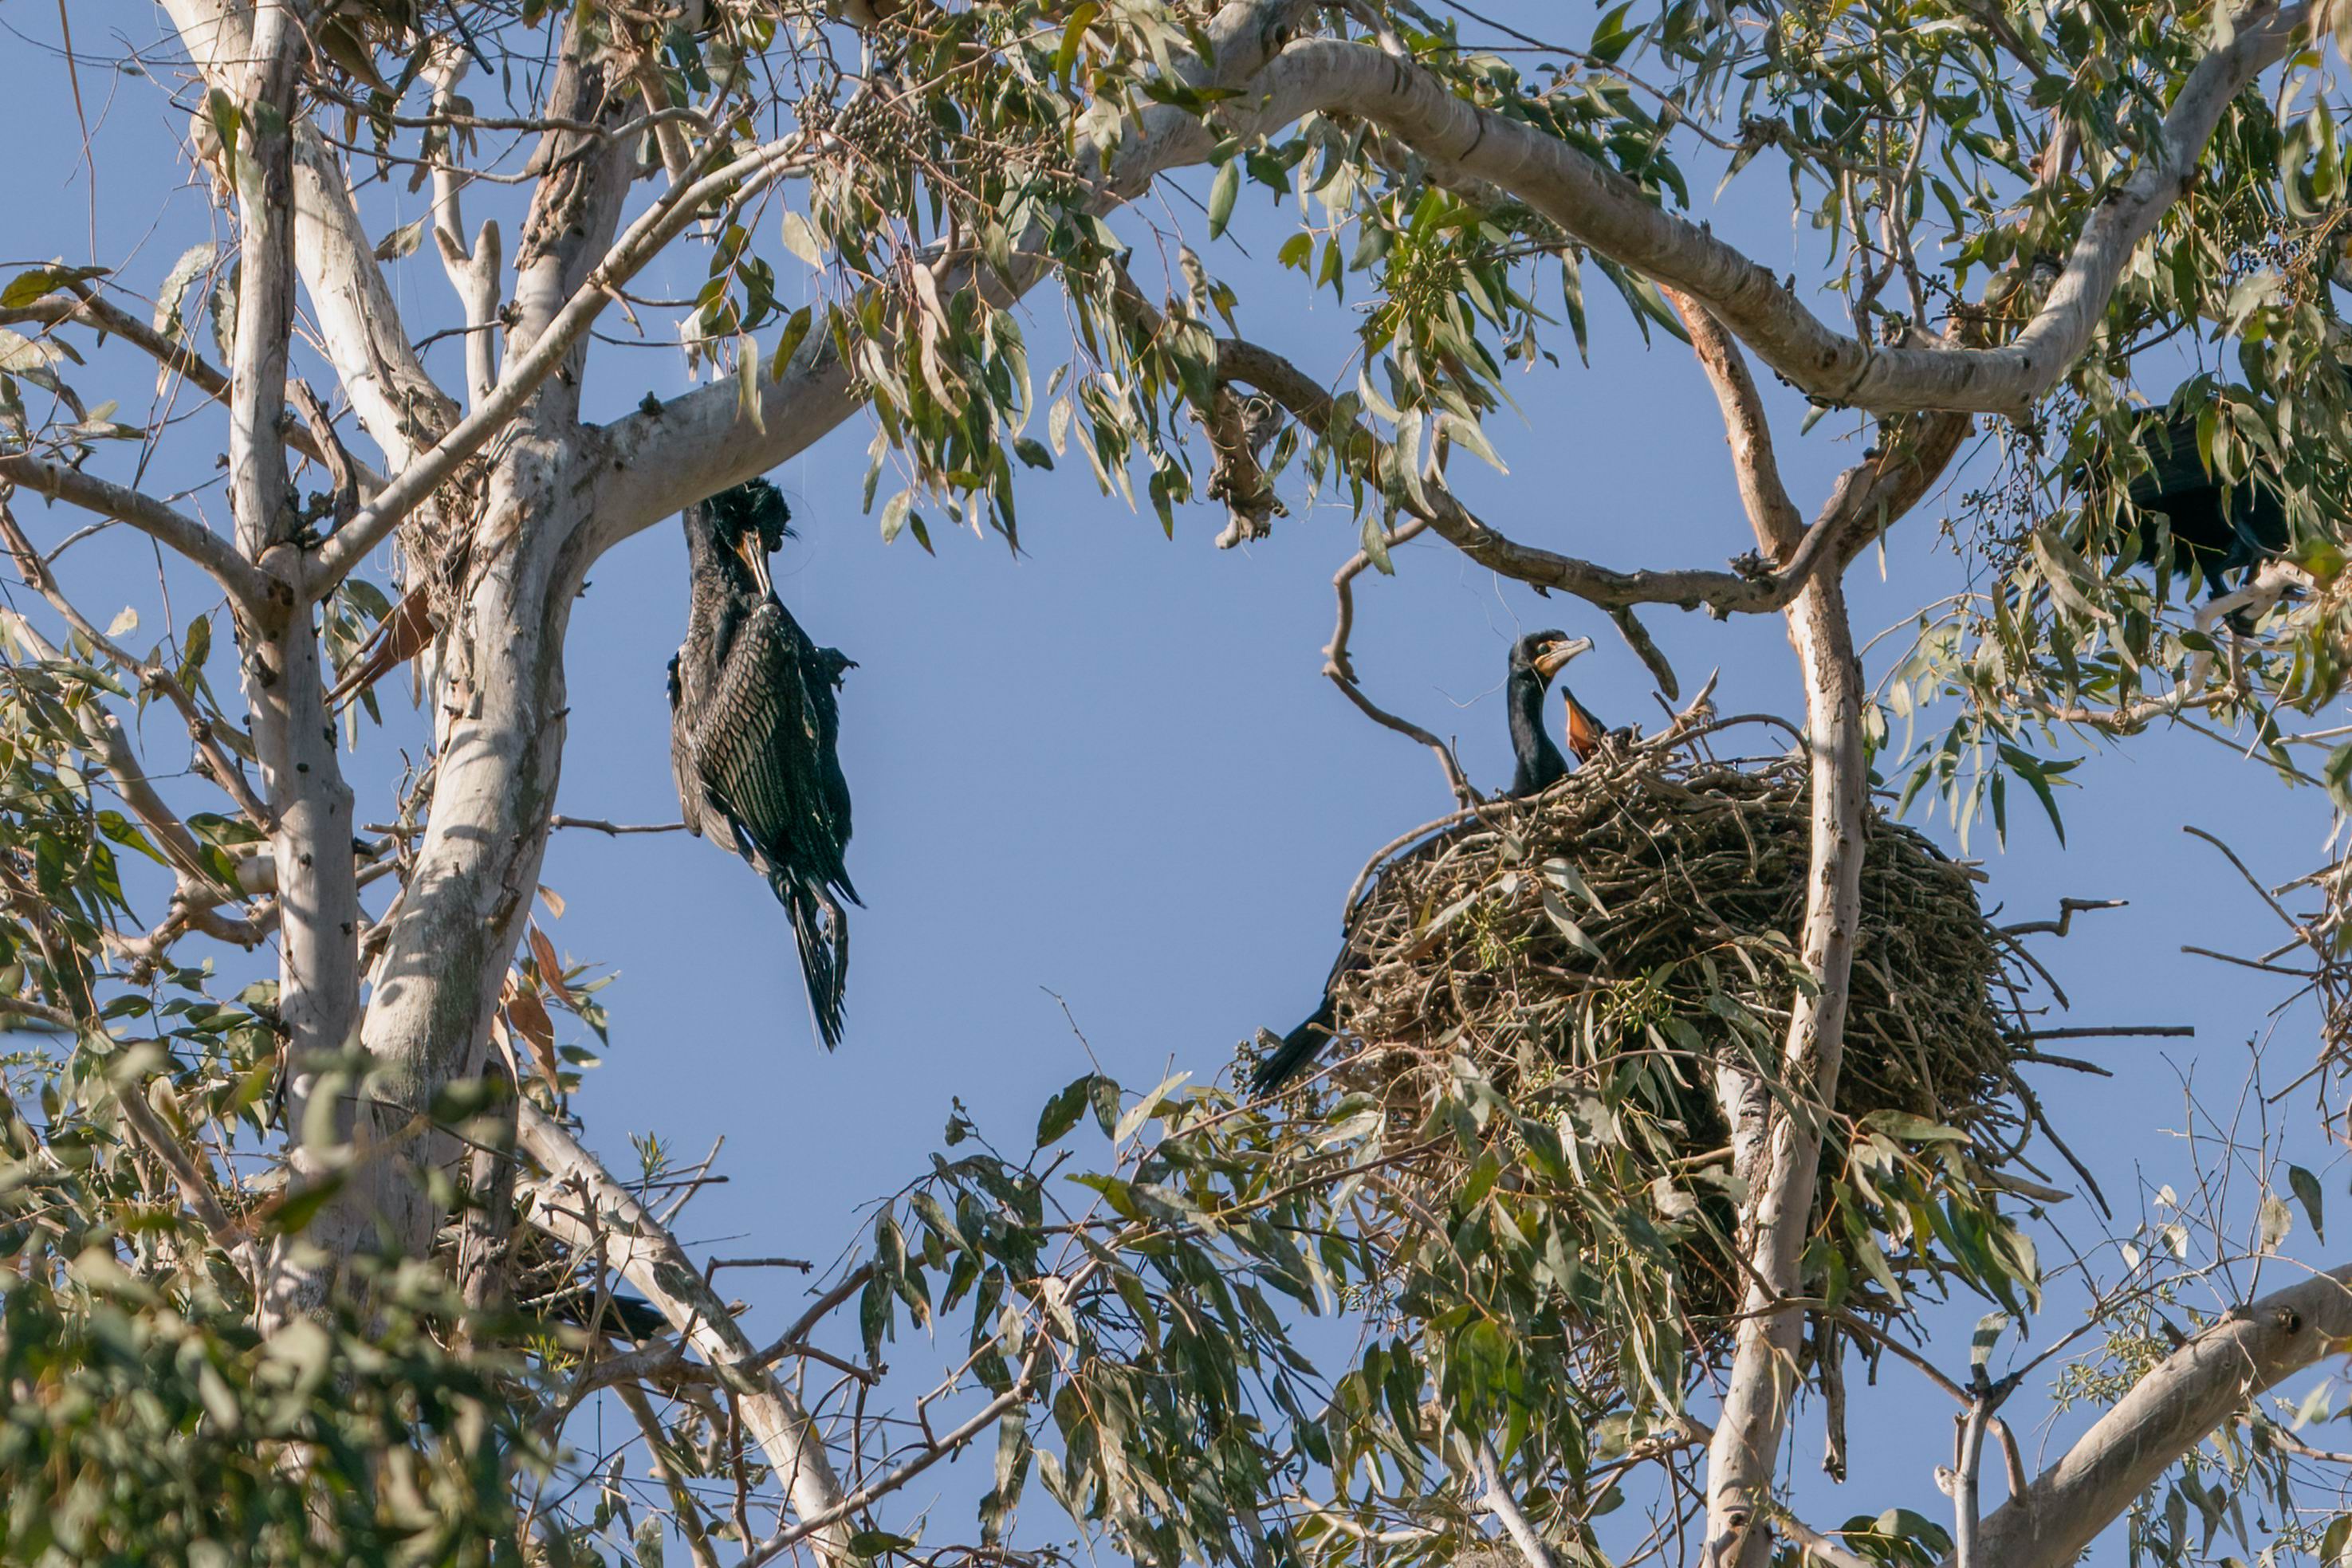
(626, 1315)
(755, 727)
(2224, 528)
(1538, 765)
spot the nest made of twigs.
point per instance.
(1643, 915)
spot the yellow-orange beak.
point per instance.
(747, 547)
(1554, 659)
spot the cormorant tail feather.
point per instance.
(1298, 1048)
(823, 937)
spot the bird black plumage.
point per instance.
(755, 729)
(1537, 766)
(2224, 529)
(623, 1315)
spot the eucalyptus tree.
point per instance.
(2020, 211)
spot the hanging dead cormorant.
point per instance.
(754, 728)
(1538, 765)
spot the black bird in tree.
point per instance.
(2225, 529)
(1538, 765)
(755, 727)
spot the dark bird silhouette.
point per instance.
(2224, 529)
(1538, 765)
(625, 1315)
(754, 731)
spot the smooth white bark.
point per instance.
(581, 1204)
(2169, 1412)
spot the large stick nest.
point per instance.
(1624, 937)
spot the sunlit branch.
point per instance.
(2169, 1411)
(696, 445)
(181, 533)
(615, 1227)
(1816, 1544)
(1497, 1500)
(473, 273)
(1880, 488)
(1600, 208)
(400, 406)
(1780, 528)
(638, 244)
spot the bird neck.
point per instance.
(1539, 764)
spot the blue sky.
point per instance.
(1110, 772)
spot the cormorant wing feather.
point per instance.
(760, 745)
(681, 757)
(758, 749)
(2177, 469)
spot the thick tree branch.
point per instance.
(581, 1204)
(294, 737)
(2169, 1412)
(182, 534)
(401, 406)
(525, 371)
(1779, 530)
(1599, 207)
(474, 274)
(1762, 1382)
(1882, 487)
(696, 444)
(1778, 1148)
(704, 441)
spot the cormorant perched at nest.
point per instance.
(755, 727)
(1536, 659)
(2225, 529)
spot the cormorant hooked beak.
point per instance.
(1555, 658)
(748, 545)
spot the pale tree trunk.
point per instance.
(499, 701)
(501, 705)
(1764, 1363)
(1777, 1150)
(293, 736)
